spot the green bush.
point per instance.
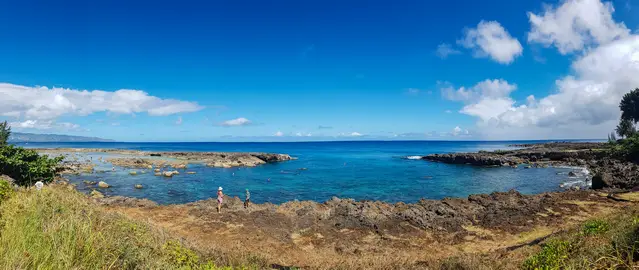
(181, 256)
(552, 256)
(5, 190)
(27, 166)
(594, 227)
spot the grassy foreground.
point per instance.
(58, 228)
(610, 242)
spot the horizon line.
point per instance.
(319, 141)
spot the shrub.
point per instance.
(552, 256)
(180, 256)
(594, 227)
(5, 190)
(27, 166)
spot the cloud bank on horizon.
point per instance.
(603, 57)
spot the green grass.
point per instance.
(552, 256)
(57, 228)
(594, 227)
(604, 243)
(611, 243)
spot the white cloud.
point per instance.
(457, 131)
(352, 134)
(43, 124)
(278, 134)
(42, 103)
(445, 49)
(179, 121)
(301, 134)
(488, 108)
(497, 88)
(236, 122)
(575, 24)
(490, 39)
(583, 105)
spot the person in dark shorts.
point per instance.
(248, 199)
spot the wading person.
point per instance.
(248, 199)
(220, 199)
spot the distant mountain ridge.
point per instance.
(32, 137)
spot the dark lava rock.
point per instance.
(266, 157)
(601, 180)
(476, 159)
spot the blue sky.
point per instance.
(315, 70)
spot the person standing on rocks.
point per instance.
(220, 199)
(248, 199)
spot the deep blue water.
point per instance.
(363, 170)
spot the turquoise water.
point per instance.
(359, 170)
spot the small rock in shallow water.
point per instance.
(138, 186)
(572, 174)
(190, 172)
(103, 184)
(170, 173)
(133, 173)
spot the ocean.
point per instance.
(363, 170)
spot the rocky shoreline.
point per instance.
(308, 234)
(607, 171)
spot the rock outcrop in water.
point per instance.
(608, 171)
(551, 153)
(476, 159)
(175, 160)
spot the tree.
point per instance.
(5, 132)
(629, 106)
(626, 128)
(612, 138)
